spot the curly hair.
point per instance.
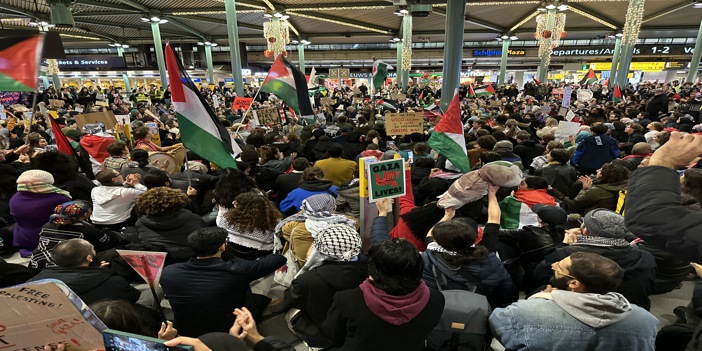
(161, 201)
(232, 184)
(613, 173)
(253, 212)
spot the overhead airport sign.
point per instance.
(90, 62)
(494, 52)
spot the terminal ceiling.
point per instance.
(339, 21)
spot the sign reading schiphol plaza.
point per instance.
(494, 52)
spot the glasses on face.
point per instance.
(556, 266)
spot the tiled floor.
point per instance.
(274, 325)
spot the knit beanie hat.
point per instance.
(503, 146)
(35, 176)
(338, 242)
(318, 206)
(551, 215)
(605, 223)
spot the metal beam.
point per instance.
(108, 24)
(475, 21)
(529, 15)
(186, 27)
(135, 5)
(99, 14)
(218, 21)
(668, 11)
(596, 15)
(339, 7)
(107, 5)
(294, 27)
(341, 21)
(96, 33)
(18, 10)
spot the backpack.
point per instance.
(464, 323)
(621, 197)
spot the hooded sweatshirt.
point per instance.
(113, 204)
(595, 310)
(395, 310)
(306, 189)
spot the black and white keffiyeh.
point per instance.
(338, 242)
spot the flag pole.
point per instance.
(187, 169)
(36, 92)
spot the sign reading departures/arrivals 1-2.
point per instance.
(386, 179)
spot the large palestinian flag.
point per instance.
(290, 85)
(589, 78)
(20, 57)
(380, 73)
(485, 90)
(447, 138)
(200, 129)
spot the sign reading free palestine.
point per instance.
(386, 179)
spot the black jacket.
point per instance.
(285, 183)
(560, 177)
(170, 232)
(527, 151)
(92, 284)
(204, 292)
(655, 213)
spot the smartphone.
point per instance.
(410, 156)
(390, 145)
(116, 340)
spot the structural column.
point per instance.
(453, 50)
(634, 15)
(235, 56)
(127, 88)
(210, 69)
(406, 48)
(56, 80)
(615, 61)
(503, 62)
(545, 56)
(158, 48)
(398, 68)
(301, 57)
(696, 56)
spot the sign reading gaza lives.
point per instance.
(386, 179)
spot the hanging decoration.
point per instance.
(549, 31)
(634, 18)
(53, 66)
(277, 37)
(407, 43)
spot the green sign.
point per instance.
(386, 179)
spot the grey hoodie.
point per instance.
(595, 310)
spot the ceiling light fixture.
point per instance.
(562, 7)
(163, 21)
(550, 6)
(278, 14)
(267, 15)
(504, 37)
(619, 35)
(404, 11)
(284, 17)
(145, 19)
(155, 19)
(514, 37)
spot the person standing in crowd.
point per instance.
(594, 151)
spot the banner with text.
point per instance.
(386, 179)
(404, 123)
(241, 103)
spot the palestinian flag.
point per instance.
(536, 81)
(61, 141)
(386, 104)
(200, 129)
(312, 78)
(589, 78)
(448, 140)
(20, 58)
(290, 85)
(617, 95)
(485, 90)
(380, 73)
(471, 92)
(516, 209)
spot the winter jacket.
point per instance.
(401, 229)
(338, 170)
(527, 150)
(657, 105)
(170, 232)
(285, 183)
(204, 292)
(92, 284)
(599, 196)
(52, 235)
(639, 269)
(595, 151)
(348, 199)
(566, 320)
(655, 213)
(560, 176)
(31, 211)
(306, 189)
(113, 204)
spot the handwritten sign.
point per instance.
(268, 116)
(148, 264)
(106, 118)
(568, 91)
(47, 312)
(404, 123)
(386, 179)
(566, 129)
(242, 103)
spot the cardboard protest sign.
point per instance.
(570, 115)
(267, 116)
(147, 264)
(404, 123)
(386, 179)
(79, 108)
(106, 118)
(3, 116)
(567, 92)
(47, 312)
(566, 129)
(241, 103)
(102, 103)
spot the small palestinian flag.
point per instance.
(448, 140)
(386, 104)
(485, 90)
(289, 84)
(617, 95)
(589, 78)
(471, 92)
(20, 58)
(380, 73)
